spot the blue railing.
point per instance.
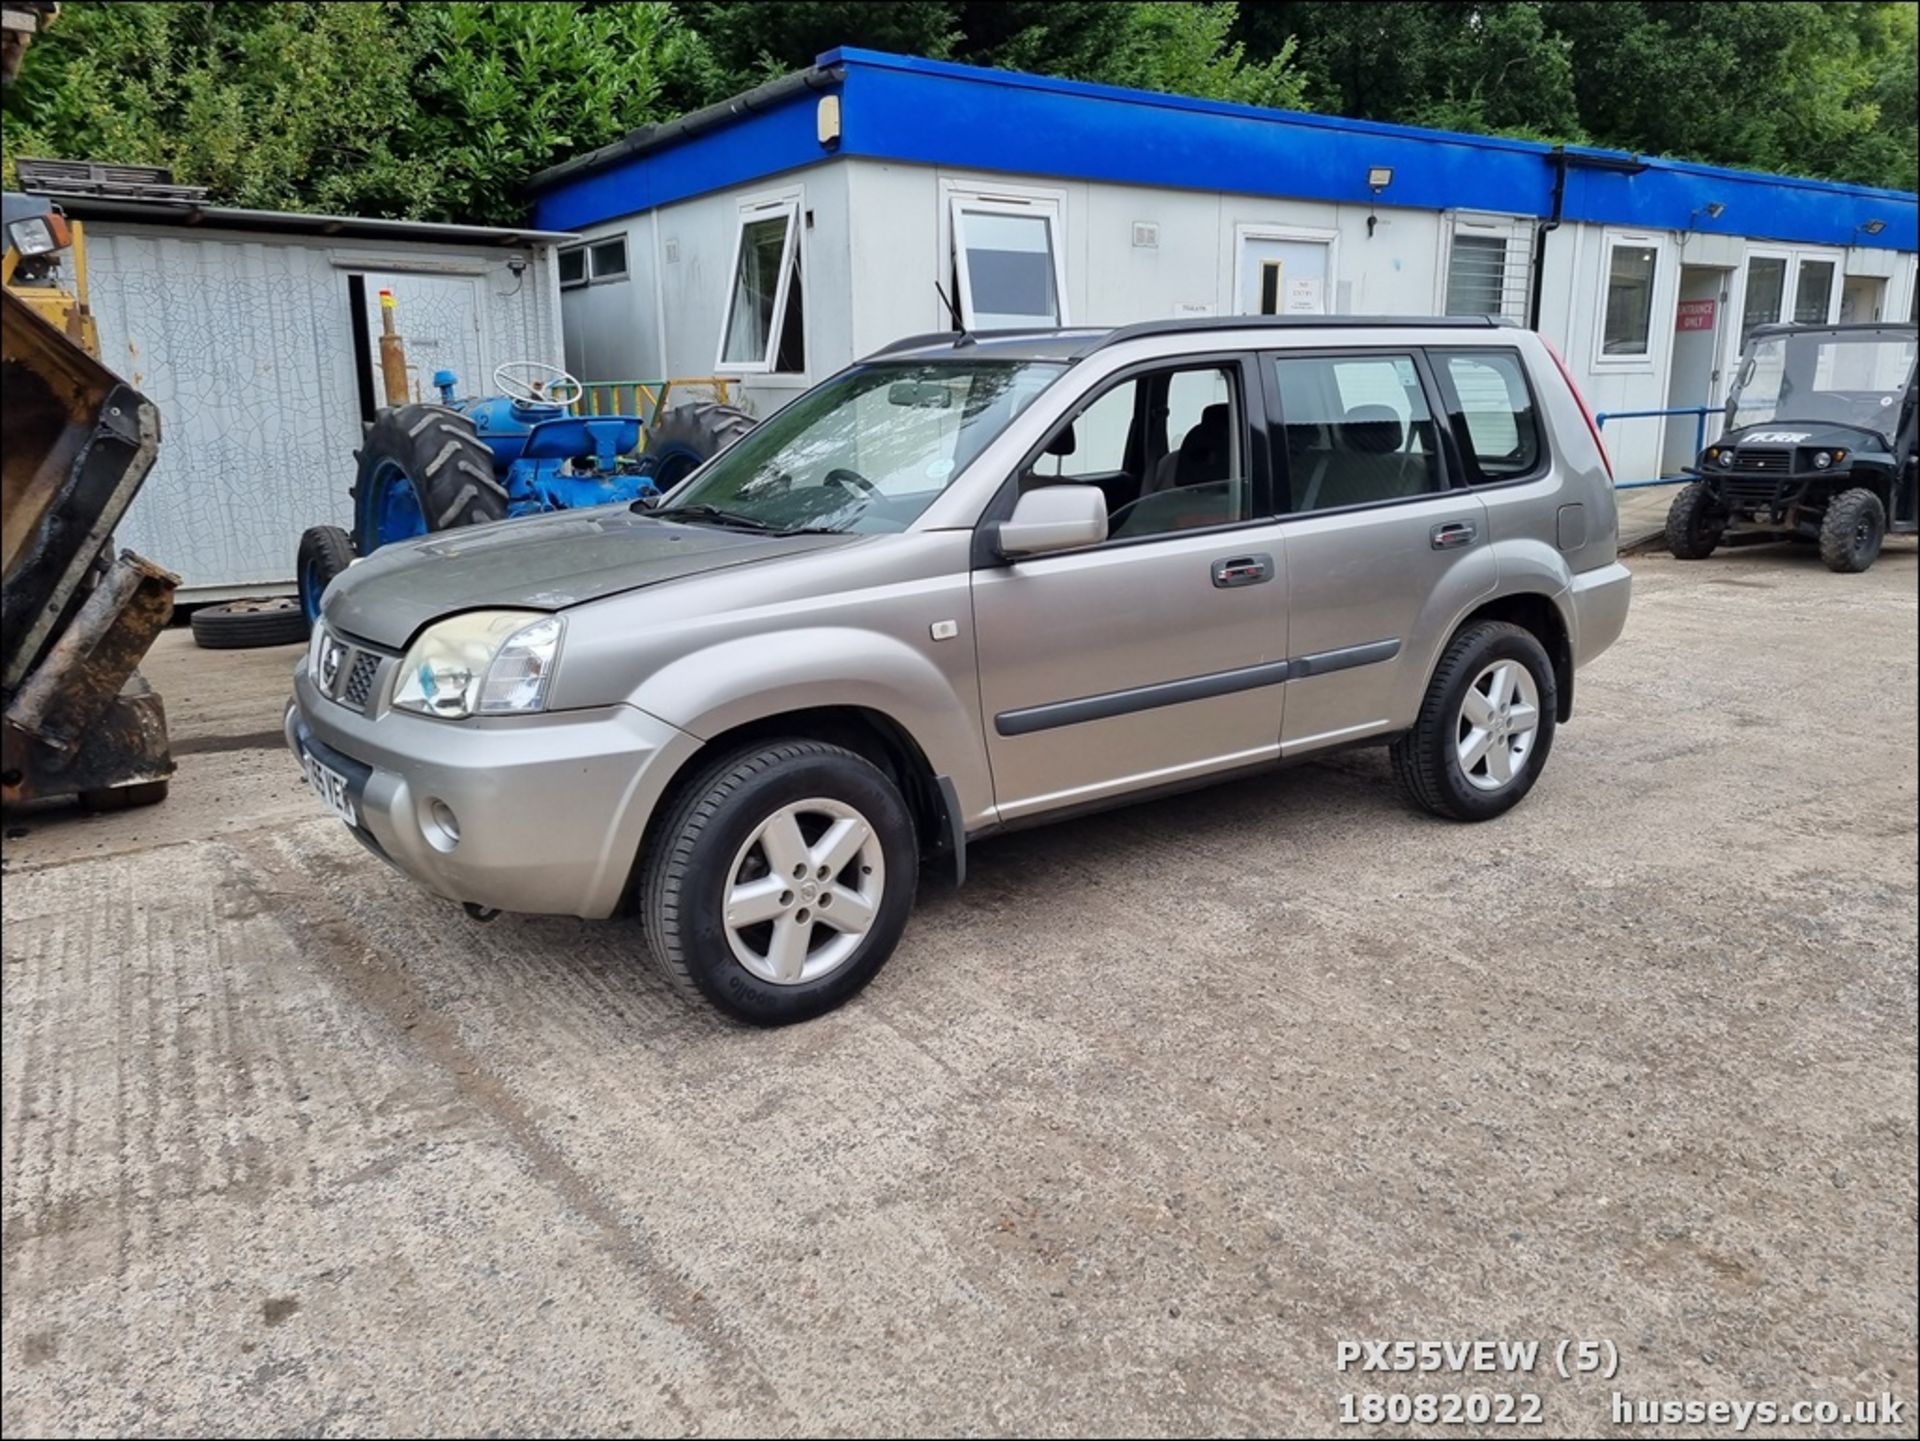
(1699, 414)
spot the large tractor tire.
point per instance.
(422, 469)
(690, 435)
(325, 551)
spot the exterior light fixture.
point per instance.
(1716, 209)
(1379, 177)
(1874, 227)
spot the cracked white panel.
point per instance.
(246, 348)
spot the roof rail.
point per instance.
(1296, 322)
(958, 338)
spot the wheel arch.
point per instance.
(1543, 616)
(939, 822)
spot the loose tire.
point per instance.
(1485, 728)
(1694, 524)
(1850, 536)
(422, 469)
(325, 551)
(738, 906)
(245, 624)
(123, 798)
(689, 436)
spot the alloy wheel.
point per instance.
(803, 891)
(1499, 719)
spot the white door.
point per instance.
(1861, 299)
(440, 318)
(1283, 275)
(1694, 376)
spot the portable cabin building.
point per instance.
(255, 333)
(784, 233)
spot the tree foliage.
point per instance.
(442, 110)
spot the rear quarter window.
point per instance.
(1492, 413)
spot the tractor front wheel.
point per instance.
(422, 469)
(325, 551)
(688, 436)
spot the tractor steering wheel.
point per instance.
(534, 382)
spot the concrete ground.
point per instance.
(1130, 1134)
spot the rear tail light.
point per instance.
(1593, 425)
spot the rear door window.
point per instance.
(1492, 413)
(1358, 430)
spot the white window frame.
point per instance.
(1515, 235)
(594, 277)
(1312, 235)
(1650, 360)
(1048, 205)
(586, 267)
(754, 209)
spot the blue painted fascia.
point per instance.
(758, 145)
(934, 112)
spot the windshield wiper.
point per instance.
(712, 513)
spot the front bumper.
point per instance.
(1600, 598)
(551, 808)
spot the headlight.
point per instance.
(1822, 459)
(1726, 459)
(488, 662)
(318, 639)
(36, 235)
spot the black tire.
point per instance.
(1850, 536)
(124, 798)
(685, 874)
(245, 624)
(325, 551)
(691, 435)
(437, 451)
(1694, 522)
(1426, 761)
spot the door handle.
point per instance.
(1453, 534)
(1242, 570)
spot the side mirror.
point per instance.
(1054, 517)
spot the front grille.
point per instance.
(359, 687)
(348, 673)
(1771, 462)
(1742, 490)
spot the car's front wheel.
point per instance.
(1485, 727)
(779, 880)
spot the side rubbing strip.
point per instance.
(1146, 697)
(1321, 662)
(1199, 687)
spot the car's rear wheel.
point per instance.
(779, 880)
(1695, 523)
(1485, 728)
(1850, 536)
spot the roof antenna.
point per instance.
(953, 312)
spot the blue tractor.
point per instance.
(429, 467)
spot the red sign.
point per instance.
(1695, 315)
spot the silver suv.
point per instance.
(973, 582)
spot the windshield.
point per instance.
(1849, 379)
(867, 451)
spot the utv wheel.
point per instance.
(779, 880)
(421, 469)
(1694, 523)
(1485, 728)
(1850, 536)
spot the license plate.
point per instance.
(331, 787)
